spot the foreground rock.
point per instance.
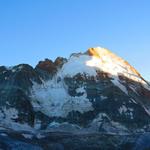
(46, 140)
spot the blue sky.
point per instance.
(31, 30)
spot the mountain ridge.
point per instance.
(91, 92)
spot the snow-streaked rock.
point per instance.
(52, 98)
(95, 91)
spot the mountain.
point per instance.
(95, 94)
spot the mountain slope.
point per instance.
(91, 91)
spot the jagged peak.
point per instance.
(99, 51)
(100, 59)
(105, 54)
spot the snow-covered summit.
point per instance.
(100, 59)
(63, 93)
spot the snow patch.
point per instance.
(52, 99)
(126, 111)
(80, 90)
(123, 109)
(103, 97)
(28, 136)
(77, 64)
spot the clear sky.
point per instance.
(31, 30)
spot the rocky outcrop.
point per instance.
(60, 61)
(15, 84)
(47, 65)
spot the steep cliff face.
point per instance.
(95, 91)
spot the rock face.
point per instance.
(94, 92)
(47, 66)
